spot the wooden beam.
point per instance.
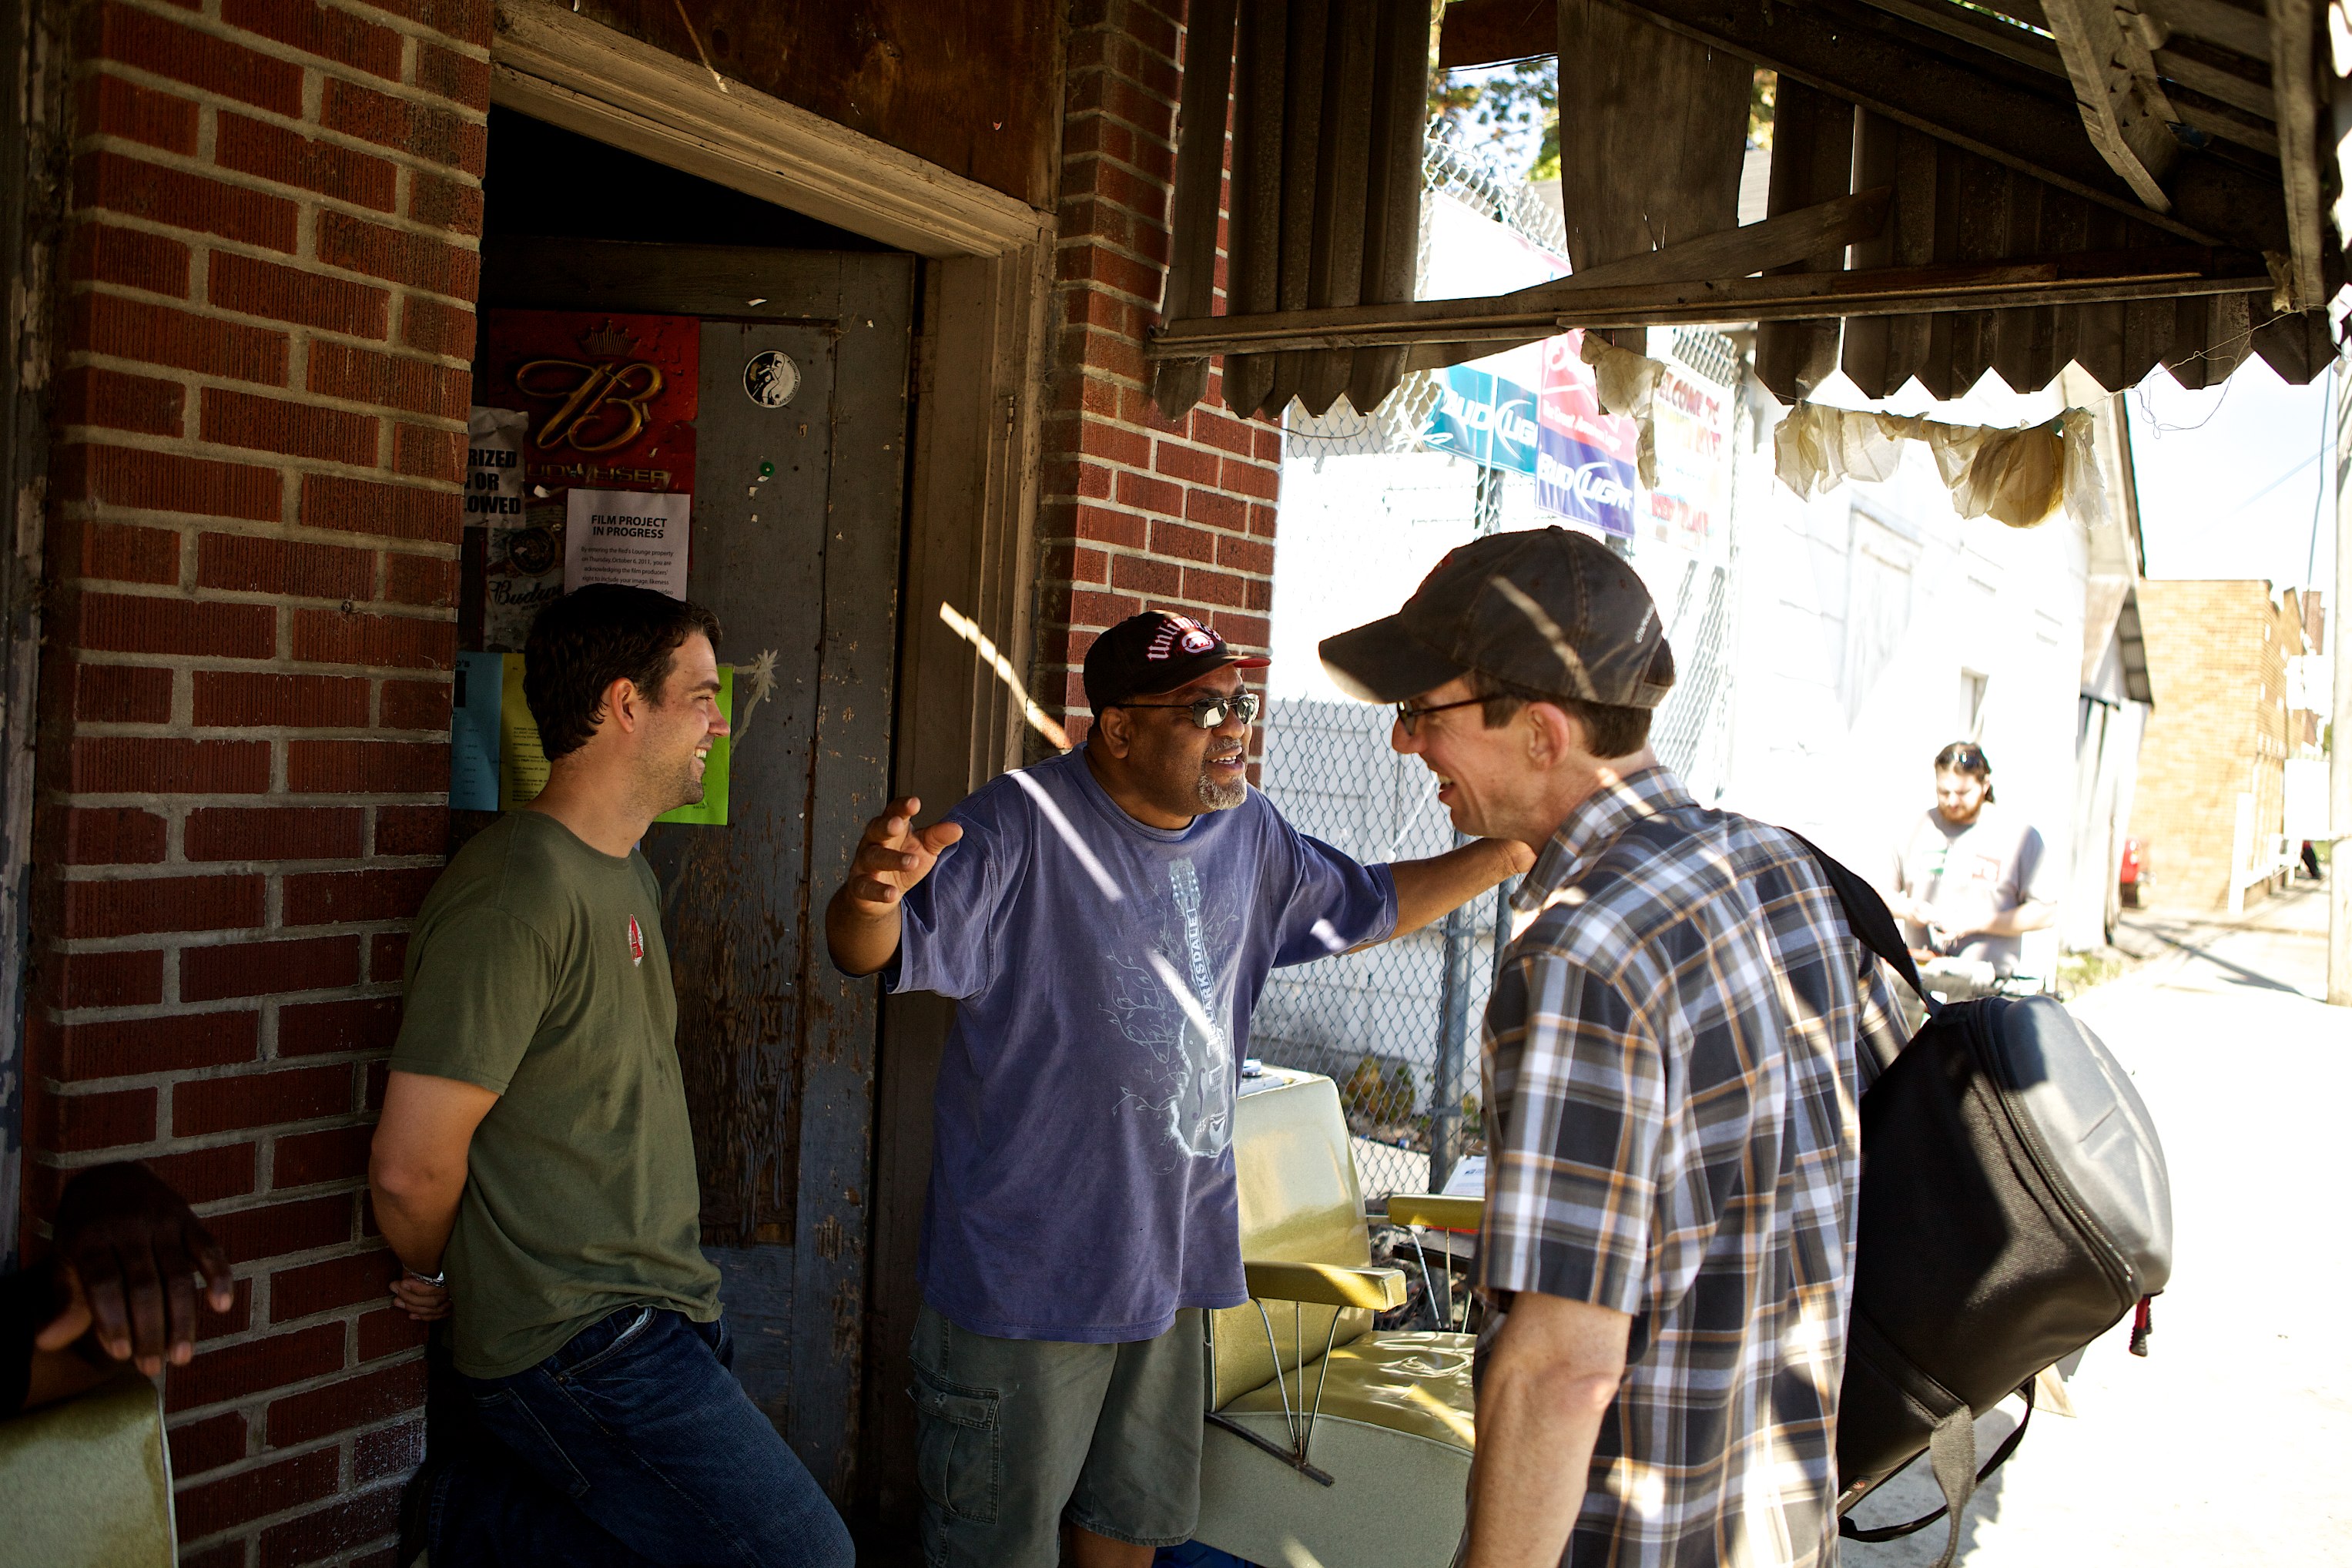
(2121, 103)
(2295, 80)
(1488, 32)
(2235, 98)
(2025, 13)
(2215, 22)
(1735, 252)
(2084, 278)
(1728, 253)
(2201, 113)
(2015, 41)
(2223, 85)
(1905, 73)
(2010, 39)
(585, 76)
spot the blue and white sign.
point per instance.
(1585, 463)
(1484, 418)
(1574, 481)
(1462, 423)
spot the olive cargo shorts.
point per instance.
(1014, 1436)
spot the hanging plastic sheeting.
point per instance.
(1329, 101)
(1627, 383)
(2018, 477)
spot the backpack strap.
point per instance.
(1868, 917)
(1952, 1452)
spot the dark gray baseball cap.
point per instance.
(1547, 611)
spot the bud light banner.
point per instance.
(1462, 423)
(1484, 417)
(1584, 459)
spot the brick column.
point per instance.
(1135, 512)
(267, 289)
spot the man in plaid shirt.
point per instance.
(1673, 1055)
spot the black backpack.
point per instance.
(2014, 1207)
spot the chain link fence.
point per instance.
(1397, 1025)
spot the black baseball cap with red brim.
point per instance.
(1146, 655)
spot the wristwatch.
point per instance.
(438, 1281)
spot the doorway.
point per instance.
(799, 336)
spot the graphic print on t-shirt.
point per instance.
(1188, 1088)
(1202, 1116)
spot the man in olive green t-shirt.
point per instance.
(535, 1167)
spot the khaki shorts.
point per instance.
(1015, 1436)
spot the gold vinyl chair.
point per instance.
(1330, 1444)
(87, 1483)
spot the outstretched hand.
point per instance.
(129, 1253)
(893, 857)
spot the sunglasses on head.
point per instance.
(1208, 713)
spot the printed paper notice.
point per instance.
(636, 537)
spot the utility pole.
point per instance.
(2339, 713)
(1453, 1050)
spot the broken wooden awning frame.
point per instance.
(1955, 188)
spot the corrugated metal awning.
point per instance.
(1955, 188)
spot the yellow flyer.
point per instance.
(522, 764)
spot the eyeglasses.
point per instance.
(1210, 711)
(1408, 717)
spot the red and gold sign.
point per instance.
(611, 397)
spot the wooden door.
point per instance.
(797, 524)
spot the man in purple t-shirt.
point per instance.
(1104, 921)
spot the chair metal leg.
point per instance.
(1440, 1298)
(1300, 1422)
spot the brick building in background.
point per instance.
(251, 242)
(2219, 731)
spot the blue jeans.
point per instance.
(631, 1445)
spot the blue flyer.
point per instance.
(474, 731)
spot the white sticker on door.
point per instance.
(771, 378)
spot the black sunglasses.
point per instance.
(1408, 717)
(1210, 711)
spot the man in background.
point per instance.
(1104, 921)
(534, 1168)
(1970, 879)
(1672, 1056)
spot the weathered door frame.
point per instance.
(980, 360)
(30, 184)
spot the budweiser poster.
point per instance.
(607, 402)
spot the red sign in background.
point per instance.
(612, 399)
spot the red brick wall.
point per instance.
(1135, 512)
(266, 294)
(2217, 668)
